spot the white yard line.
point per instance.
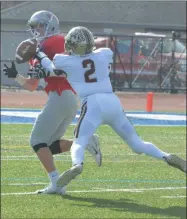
(177, 196)
(136, 125)
(67, 155)
(34, 114)
(141, 190)
(112, 158)
(25, 184)
(99, 190)
(88, 161)
(20, 193)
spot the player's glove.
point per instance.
(10, 72)
(38, 72)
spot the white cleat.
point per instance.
(52, 190)
(47, 190)
(61, 190)
(94, 149)
(177, 162)
(66, 177)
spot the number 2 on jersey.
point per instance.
(89, 72)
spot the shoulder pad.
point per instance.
(106, 51)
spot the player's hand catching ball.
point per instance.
(10, 72)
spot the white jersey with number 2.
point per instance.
(87, 74)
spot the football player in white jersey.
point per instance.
(88, 71)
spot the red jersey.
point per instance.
(50, 47)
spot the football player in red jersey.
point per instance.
(61, 106)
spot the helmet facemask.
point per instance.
(38, 30)
(43, 24)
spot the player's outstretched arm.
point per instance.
(46, 68)
(46, 63)
(29, 84)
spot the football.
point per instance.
(25, 51)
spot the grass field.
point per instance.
(126, 186)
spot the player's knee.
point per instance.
(136, 144)
(137, 151)
(55, 147)
(37, 147)
(136, 148)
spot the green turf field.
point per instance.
(126, 186)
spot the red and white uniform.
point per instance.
(50, 47)
(61, 106)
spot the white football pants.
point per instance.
(105, 108)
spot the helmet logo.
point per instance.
(77, 37)
(79, 41)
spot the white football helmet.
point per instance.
(43, 24)
(79, 41)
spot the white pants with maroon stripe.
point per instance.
(105, 108)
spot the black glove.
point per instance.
(38, 72)
(10, 72)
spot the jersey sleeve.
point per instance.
(62, 62)
(59, 61)
(48, 65)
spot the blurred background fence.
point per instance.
(142, 61)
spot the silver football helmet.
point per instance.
(79, 41)
(43, 24)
